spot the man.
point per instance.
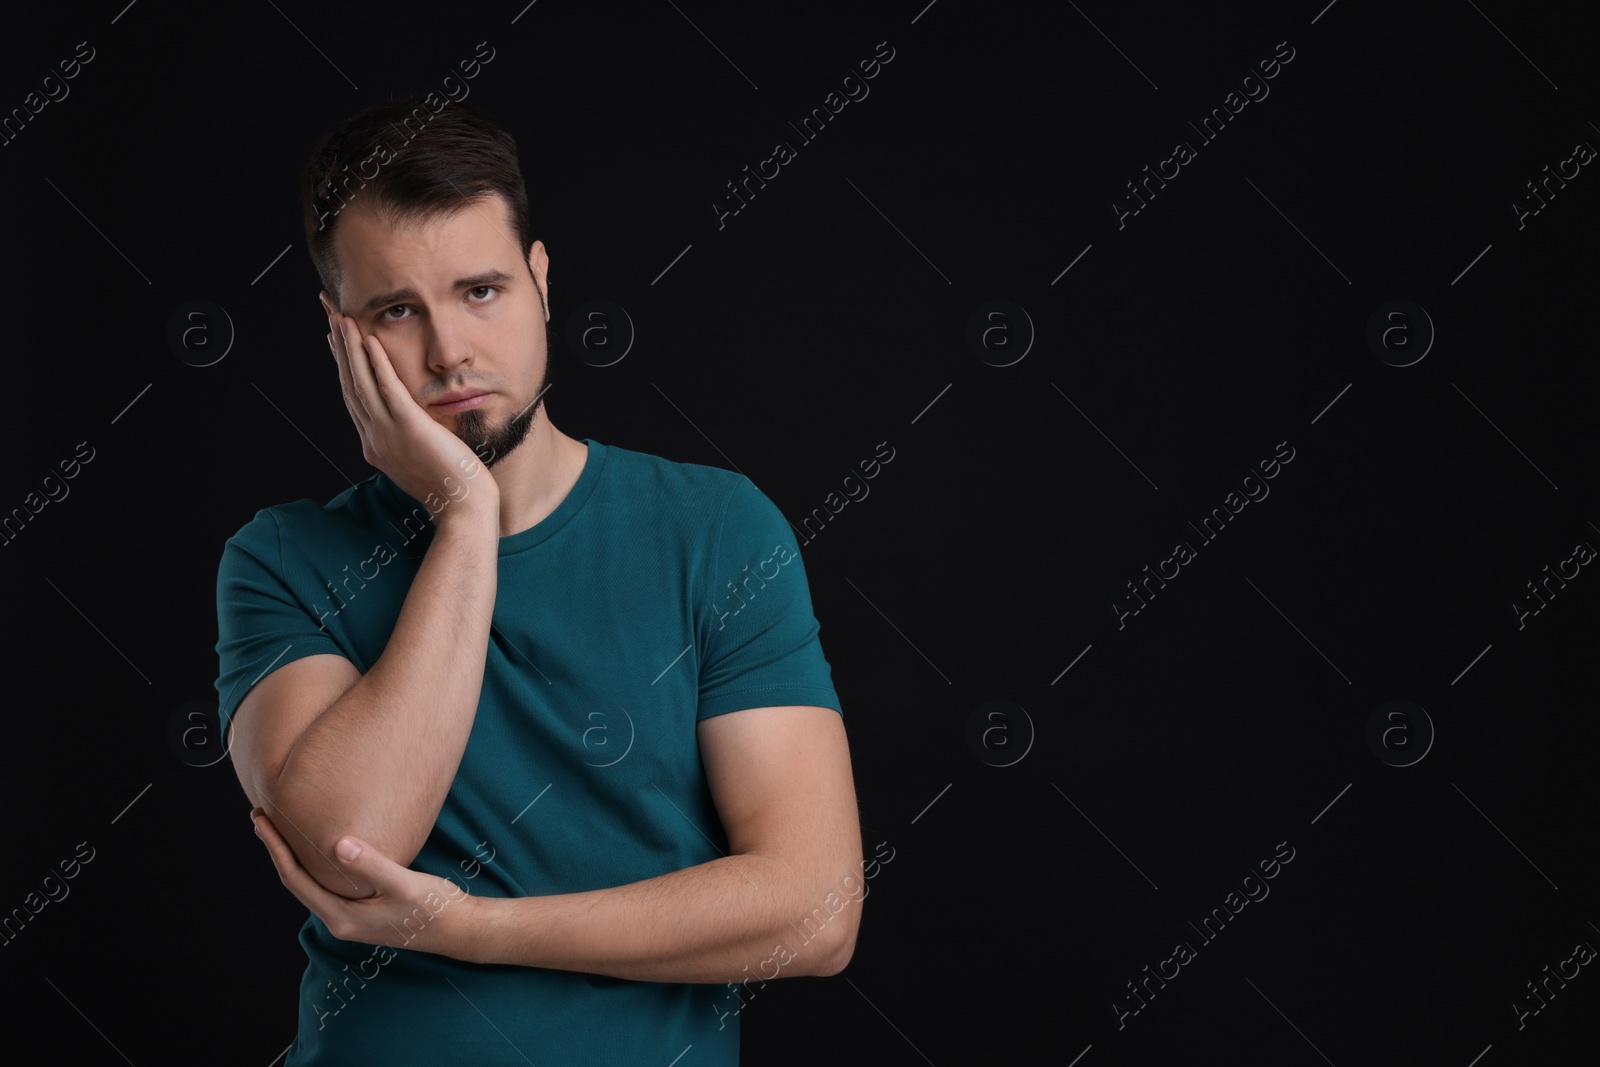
(538, 729)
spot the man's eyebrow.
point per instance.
(473, 281)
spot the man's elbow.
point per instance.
(314, 848)
(843, 947)
(836, 943)
(820, 943)
(837, 922)
(311, 832)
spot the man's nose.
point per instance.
(449, 343)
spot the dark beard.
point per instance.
(494, 444)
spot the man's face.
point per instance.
(459, 311)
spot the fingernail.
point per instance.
(348, 850)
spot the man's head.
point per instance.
(417, 222)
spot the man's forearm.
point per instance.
(728, 920)
(380, 759)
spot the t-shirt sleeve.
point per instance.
(760, 645)
(261, 623)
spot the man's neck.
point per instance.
(536, 476)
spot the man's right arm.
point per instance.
(326, 750)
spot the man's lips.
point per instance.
(462, 400)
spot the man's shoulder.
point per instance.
(351, 514)
(689, 501)
(669, 480)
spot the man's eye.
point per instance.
(485, 289)
(389, 316)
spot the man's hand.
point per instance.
(408, 909)
(398, 437)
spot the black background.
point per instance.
(832, 314)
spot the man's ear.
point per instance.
(328, 304)
(539, 267)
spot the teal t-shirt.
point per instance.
(657, 594)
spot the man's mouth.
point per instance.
(462, 400)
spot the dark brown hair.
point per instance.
(413, 162)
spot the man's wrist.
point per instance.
(475, 511)
(478, 928)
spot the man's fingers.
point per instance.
(282, 855)
(352, 403)
(296, 879)
(347, 382)
(367, 408)
(396, 889)
(396, 399)
(365, 388)
(382, 391)
(371, 866)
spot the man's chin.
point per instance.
(492, 444)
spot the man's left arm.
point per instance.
(785, 901)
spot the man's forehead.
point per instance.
(380, 250)
(373, 229)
